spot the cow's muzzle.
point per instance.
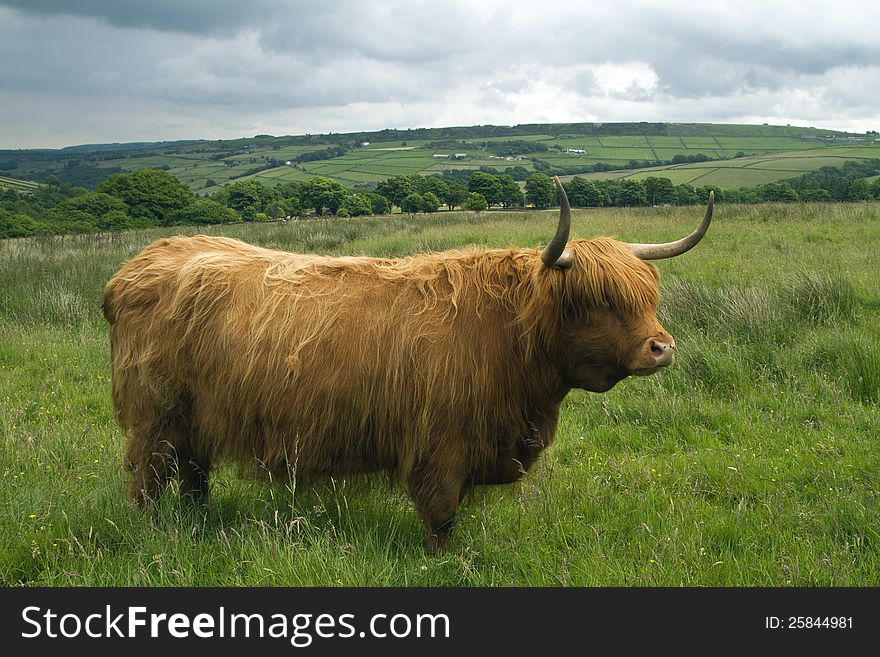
(663, 352)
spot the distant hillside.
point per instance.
(733, 155)
(128, 146)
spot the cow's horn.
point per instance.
(554, 254)
(672, 249)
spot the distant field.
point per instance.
(759, 153)
(748, 171)
(23, 186)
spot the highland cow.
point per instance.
(445, 370)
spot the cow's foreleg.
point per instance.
(150, 461)
(193, 474)
(435, 486)
(157, 450)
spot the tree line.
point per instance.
(149, 197)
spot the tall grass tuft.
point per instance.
(853, 359)
(866, 369)
(820, 297)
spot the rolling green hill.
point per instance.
(726, 155)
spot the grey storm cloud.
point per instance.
(192, 16)
(284, 66)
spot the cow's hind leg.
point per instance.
(436, 490)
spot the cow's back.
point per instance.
(152, 275)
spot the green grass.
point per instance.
(752, 461)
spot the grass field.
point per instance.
(752, 461)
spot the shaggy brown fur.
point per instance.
(445, 370)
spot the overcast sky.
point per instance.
(87, 71)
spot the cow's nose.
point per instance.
(663, 352)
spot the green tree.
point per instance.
(475, 202)
(378, 203)
(604, 189)
(288, 190)
(740, 195)
(540, 190)
(720, 194)
(395, 189)
(659, 191)
(631, 193)
(486, 184)
(685, 195)
(276, 208)
(777, 192)
(814, 195)
(92, 210)
(9, 196)
(245, 193)
(94, 204)
(203, 211)
(16, 225)
(97, 211)
(511, 194)
(319, 193)
(292, 206)
(121, 220)
(420, 184)
(412, 203)
(518, 172)
(456, 194)
(436, 186)
(356, 205)
(148, 193)
(859, 190)
(584, 194)
(430, 202)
